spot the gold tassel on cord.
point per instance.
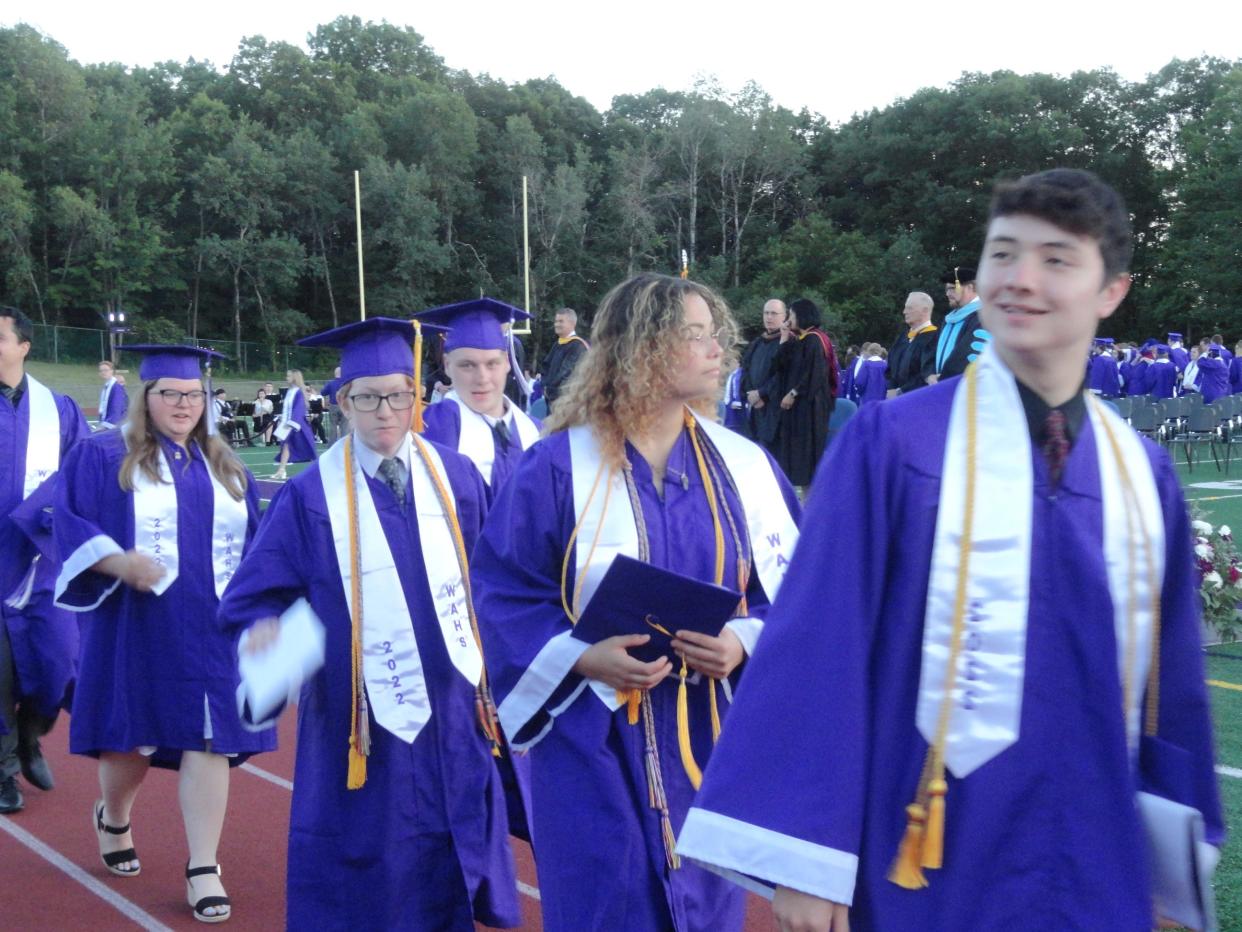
(711, 685)
(359, 739)
(357, 770)
(417, 426)
(933, 835)
(906, 871)
(683, 733)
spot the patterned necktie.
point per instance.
(9, 393)
(1056, 444)
(392, 471)
(501, 430)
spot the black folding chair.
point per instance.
(1203, 426)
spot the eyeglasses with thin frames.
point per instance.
(174, 398)
(367, 402)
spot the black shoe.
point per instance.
(34, 766)
(11, 796)
(201, 905)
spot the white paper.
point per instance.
(275, 675)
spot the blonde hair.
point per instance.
(143, 449)
(295, 376)
(623, 382)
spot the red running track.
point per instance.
(52, 878)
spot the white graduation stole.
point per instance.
(475, 438)
(42, 437)
(286, 411)
(391, 665)
(155, 526)
(987, 705)
(614, 531)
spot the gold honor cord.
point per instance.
(923, 843)
(359, 723)
(488, 719)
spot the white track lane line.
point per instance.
(62, 863)
(1229, 771)
(525, 888)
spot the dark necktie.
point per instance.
(501, 430)
(392, 471)
(1056, 444)
(10, 394)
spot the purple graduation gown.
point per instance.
(872, 381)
(1162, 379)
(148, 660)
(422, 844)
(598, 843)
(301, 440)
(1046, 834)
(1213, 378)
(1103, 376)
(117, 405)
(43, 638)
(442, 423)
(1136, 377)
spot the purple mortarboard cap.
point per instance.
(1215, 348)
(171, 362)
(1103, 341)
(1148, 343)
(1174, 337)
(1162, 348)
(372, 347)
(474, 324)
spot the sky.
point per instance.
(833, 61)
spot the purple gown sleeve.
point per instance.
(87, 486)
(1179, 763)
(515, 578)
(804, 697)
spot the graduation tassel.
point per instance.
(906, 870)
(417, 426)
(683, 732)
(933, 834)
(359, 726)
(711, 686)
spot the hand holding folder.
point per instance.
(636, 598)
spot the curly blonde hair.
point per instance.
(621, 385)
(143, 449)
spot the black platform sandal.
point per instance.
(112, 858)
(206, 902)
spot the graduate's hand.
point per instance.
(136, 570)
(754, 399)
(609, 662)
(796, 911)
(933, 379)
(788, 401)
(716, 657)
(263, 634)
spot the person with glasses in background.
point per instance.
(398, 818)
(151, 523)
(671, 488)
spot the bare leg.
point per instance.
(203, 790)
(120, 776)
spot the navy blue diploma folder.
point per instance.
(638, 598)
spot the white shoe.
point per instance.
(279, 475)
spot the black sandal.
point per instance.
(206, 902)
(112, 858)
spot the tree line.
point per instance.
(218, 203)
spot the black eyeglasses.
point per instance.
(367, 402)
(174, 397)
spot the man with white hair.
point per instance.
(559, 364)
(912, 359)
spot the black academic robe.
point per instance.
(559, 364)
(804, 427)
(759, 374)
(911, 361)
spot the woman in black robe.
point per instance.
(807, 399)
